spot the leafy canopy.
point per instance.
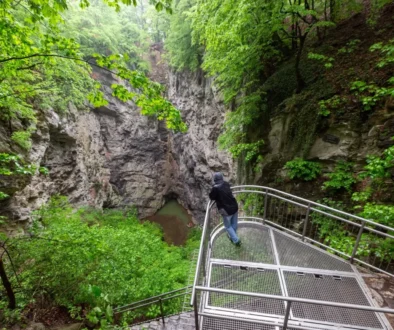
(42, 68)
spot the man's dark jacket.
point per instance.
(222, 194)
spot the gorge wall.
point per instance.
(294, 127)
(115, 157)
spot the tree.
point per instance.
(40, 68)
(6, 283)
(182, 53)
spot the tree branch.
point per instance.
(55, 55)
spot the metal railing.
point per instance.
(289, 301)
(166, 304)
(370, 244)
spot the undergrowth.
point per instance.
(90, 260)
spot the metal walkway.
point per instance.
(278, 281)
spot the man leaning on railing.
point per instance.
(227, 205)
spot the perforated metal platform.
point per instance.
(274, 263)
(210, 323)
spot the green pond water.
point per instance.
(173, 218)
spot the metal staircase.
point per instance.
(186, 300)
(286, 275)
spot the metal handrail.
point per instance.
(306, 201)
(310, 206)
(201, 250)
(299, 300)
(159, 299)
(145, 302)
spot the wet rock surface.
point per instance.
(382, 290)
(115, 157)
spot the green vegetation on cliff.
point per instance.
(46, 59)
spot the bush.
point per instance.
(302, 169)
(342, 177)
(95, 258)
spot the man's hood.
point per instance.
(218, 178)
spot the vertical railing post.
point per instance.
(161, 311)
(200, 253)
(287, 314)
(360, 232)
(306, 222)
(195, 312)
(205, 250)
(265, 206)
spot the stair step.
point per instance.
(184, 321)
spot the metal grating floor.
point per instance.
(209, 323)
(257, 246)
(298, 254)
(329, 288)
(271, 262)
(246, 279)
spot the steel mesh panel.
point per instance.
(256, 245)
(294, 253)
(329, 288)
(257, 280)
(210, 323)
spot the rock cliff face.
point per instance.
(195, 156)
(113, 156)
(347, 140)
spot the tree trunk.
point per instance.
(7, 286)
(300, 80)
(332, 10)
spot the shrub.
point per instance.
(342, 177)
(96, 258)
(302, 169)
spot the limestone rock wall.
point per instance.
(114, 157)
(347, 140)
(195, 156)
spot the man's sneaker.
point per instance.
(238, 244)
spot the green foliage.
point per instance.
(333, 103)
(383, 214)
(96, 258)
(376, 171)
(98, 29)
(362, 196)
(335, 234)
(3, 195)
(377, 166)
(387, 52)
(251, 150)
(304, 121)
(342, 177)
(233, 138)
(302, 169)
(43, 170)
(243, 41)
(14, 165)
(325, 60)
(350, 47)
(182, 53)
(252, 204)
(370, 94)
(41, 68)
(22, 138)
